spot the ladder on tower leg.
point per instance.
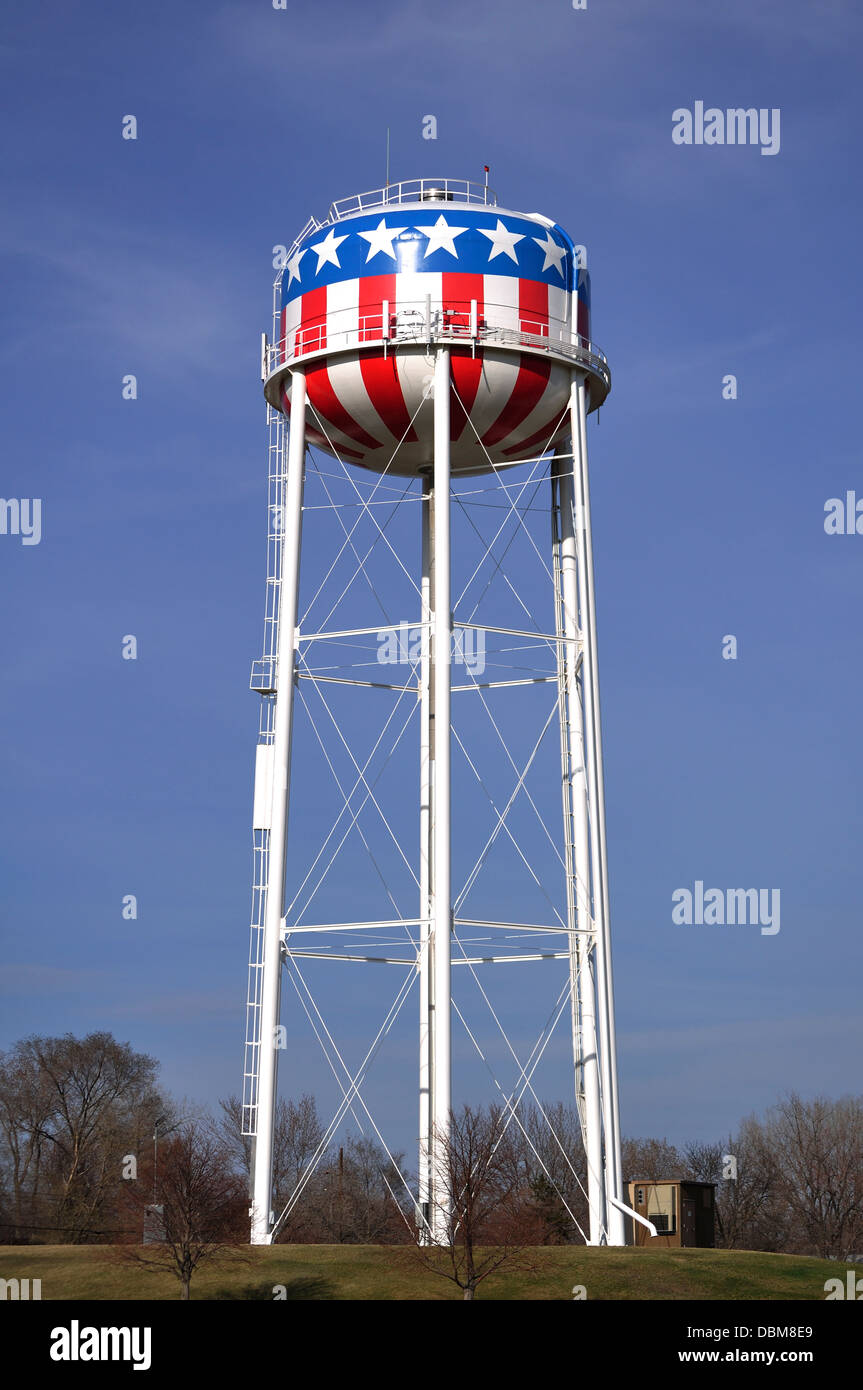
(264, 680)
(566, 784)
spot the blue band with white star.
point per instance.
(417, 239)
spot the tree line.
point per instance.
(89, 1143)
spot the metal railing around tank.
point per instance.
(419, 321)
(414, 191)
(392, 194)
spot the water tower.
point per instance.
(424, 335)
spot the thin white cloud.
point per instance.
(146, 296)
(17, 980)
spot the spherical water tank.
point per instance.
(368, 295)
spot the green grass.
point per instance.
(391, 1273)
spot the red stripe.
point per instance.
(582, 321)
(466, 375)
(315, 436)
(530, 385)
(381, 380)
(457, 291)
(533, 307)
(374, 289)
(541, 437)
(327, 404)
(312, 332)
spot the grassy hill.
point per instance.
(392, 1273)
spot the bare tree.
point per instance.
(703, 1161)
(556, 1169)
(201, 1208)
(363, 1196)
(751, 1211)
(354, 1195)
(297, 1136)
(70, 1110)
(482, 1210)
(230, 1126)
(24, 1111)
(818, 1149)
(653, 1159)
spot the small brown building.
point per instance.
(683, 1212)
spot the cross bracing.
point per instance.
(523, 894)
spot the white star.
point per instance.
(381, 239)
(294, 266)
(502, 241)
(554, 254)
(441, 237)
(326, 250)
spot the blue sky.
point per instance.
(154, 257)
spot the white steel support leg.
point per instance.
(426, 755)
(441, 830)
(596, 793)
(262, 1178)
(581, 948)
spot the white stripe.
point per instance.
(346, 379)
(411, 290)
(323, 426)
(293, 315)
(343, 299)
(574, 325)
(495, 388)
(501, 301)
(552, 401)
(558, 311)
